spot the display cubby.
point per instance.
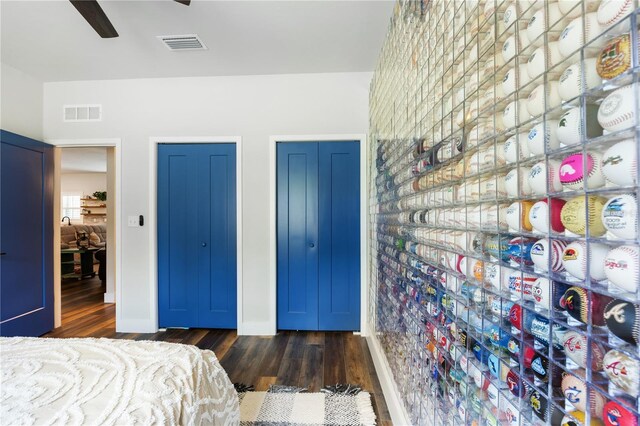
(504, 244)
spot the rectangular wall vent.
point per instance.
(73, 113)
(183, 42)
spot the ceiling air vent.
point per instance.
(183, 42)
(72, 113)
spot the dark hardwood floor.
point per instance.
(307, 359)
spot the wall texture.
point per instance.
(20, 103)
(253, 107)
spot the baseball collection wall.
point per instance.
(504, 217)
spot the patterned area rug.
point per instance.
(282, 406)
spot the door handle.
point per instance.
(204, 244)
(2, 254)
(312, 245)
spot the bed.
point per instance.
(109, 382)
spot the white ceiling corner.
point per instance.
(51, 41)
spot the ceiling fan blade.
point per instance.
(95, 16)
(185, 2)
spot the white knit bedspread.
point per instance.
(109, 382)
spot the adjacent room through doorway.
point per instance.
(85, 184)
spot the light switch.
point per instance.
(132, 221)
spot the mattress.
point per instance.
(112, 382)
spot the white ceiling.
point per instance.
(51, 41)
(84, 160)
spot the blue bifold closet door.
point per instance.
(197, 235)
(318, 232)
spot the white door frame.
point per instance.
(153, 215)
(273, 258)
(80, 143)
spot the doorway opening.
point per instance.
(85, 243)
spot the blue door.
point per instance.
(197, 235)
(318, 231)
(26, 236)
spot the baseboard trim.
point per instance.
(109, 298)
(135, 326)
(399, 415)
(255, 329)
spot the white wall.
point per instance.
(253, 107)
(20, 102)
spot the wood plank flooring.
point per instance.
(306, 359)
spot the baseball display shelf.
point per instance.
(504, 241)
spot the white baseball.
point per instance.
(577, 79)
(542, 256)
(574, 259)
(510, 17)
(543, 134)
(493, 274)
(514, 79)
(538, 23)
(617, 111)
(513, 216)
(515, 113)
(572, 38)
(510, 48)
(536, 100)
(620, 163)
(611, 12)
(543, 59)
(571, 127)
(540, 174)
(620, 216)
(622, 267)
(492, 64)
(573, 8)
(516, 148)
(516, 182)
(539, 217)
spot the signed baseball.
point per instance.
(540, 216)
(543, 134)
(572, 129)
(516, 182)
(575, 35)
(540, 100)
(617, 111)
(516, 148)
(620, 163)
(543, 256)
(623, 371)
(542, 174)
(517, 215)
(574, 259)
(515, 113)
(622, 267)
(578, 78)
(543, 59)
(577, 392)
(576, 347)
(579, 211)
(620, 216)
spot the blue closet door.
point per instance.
(318, 231)
(197, 235)
(297, 225)
(217, 301)
(339, 236)
(26, 236)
